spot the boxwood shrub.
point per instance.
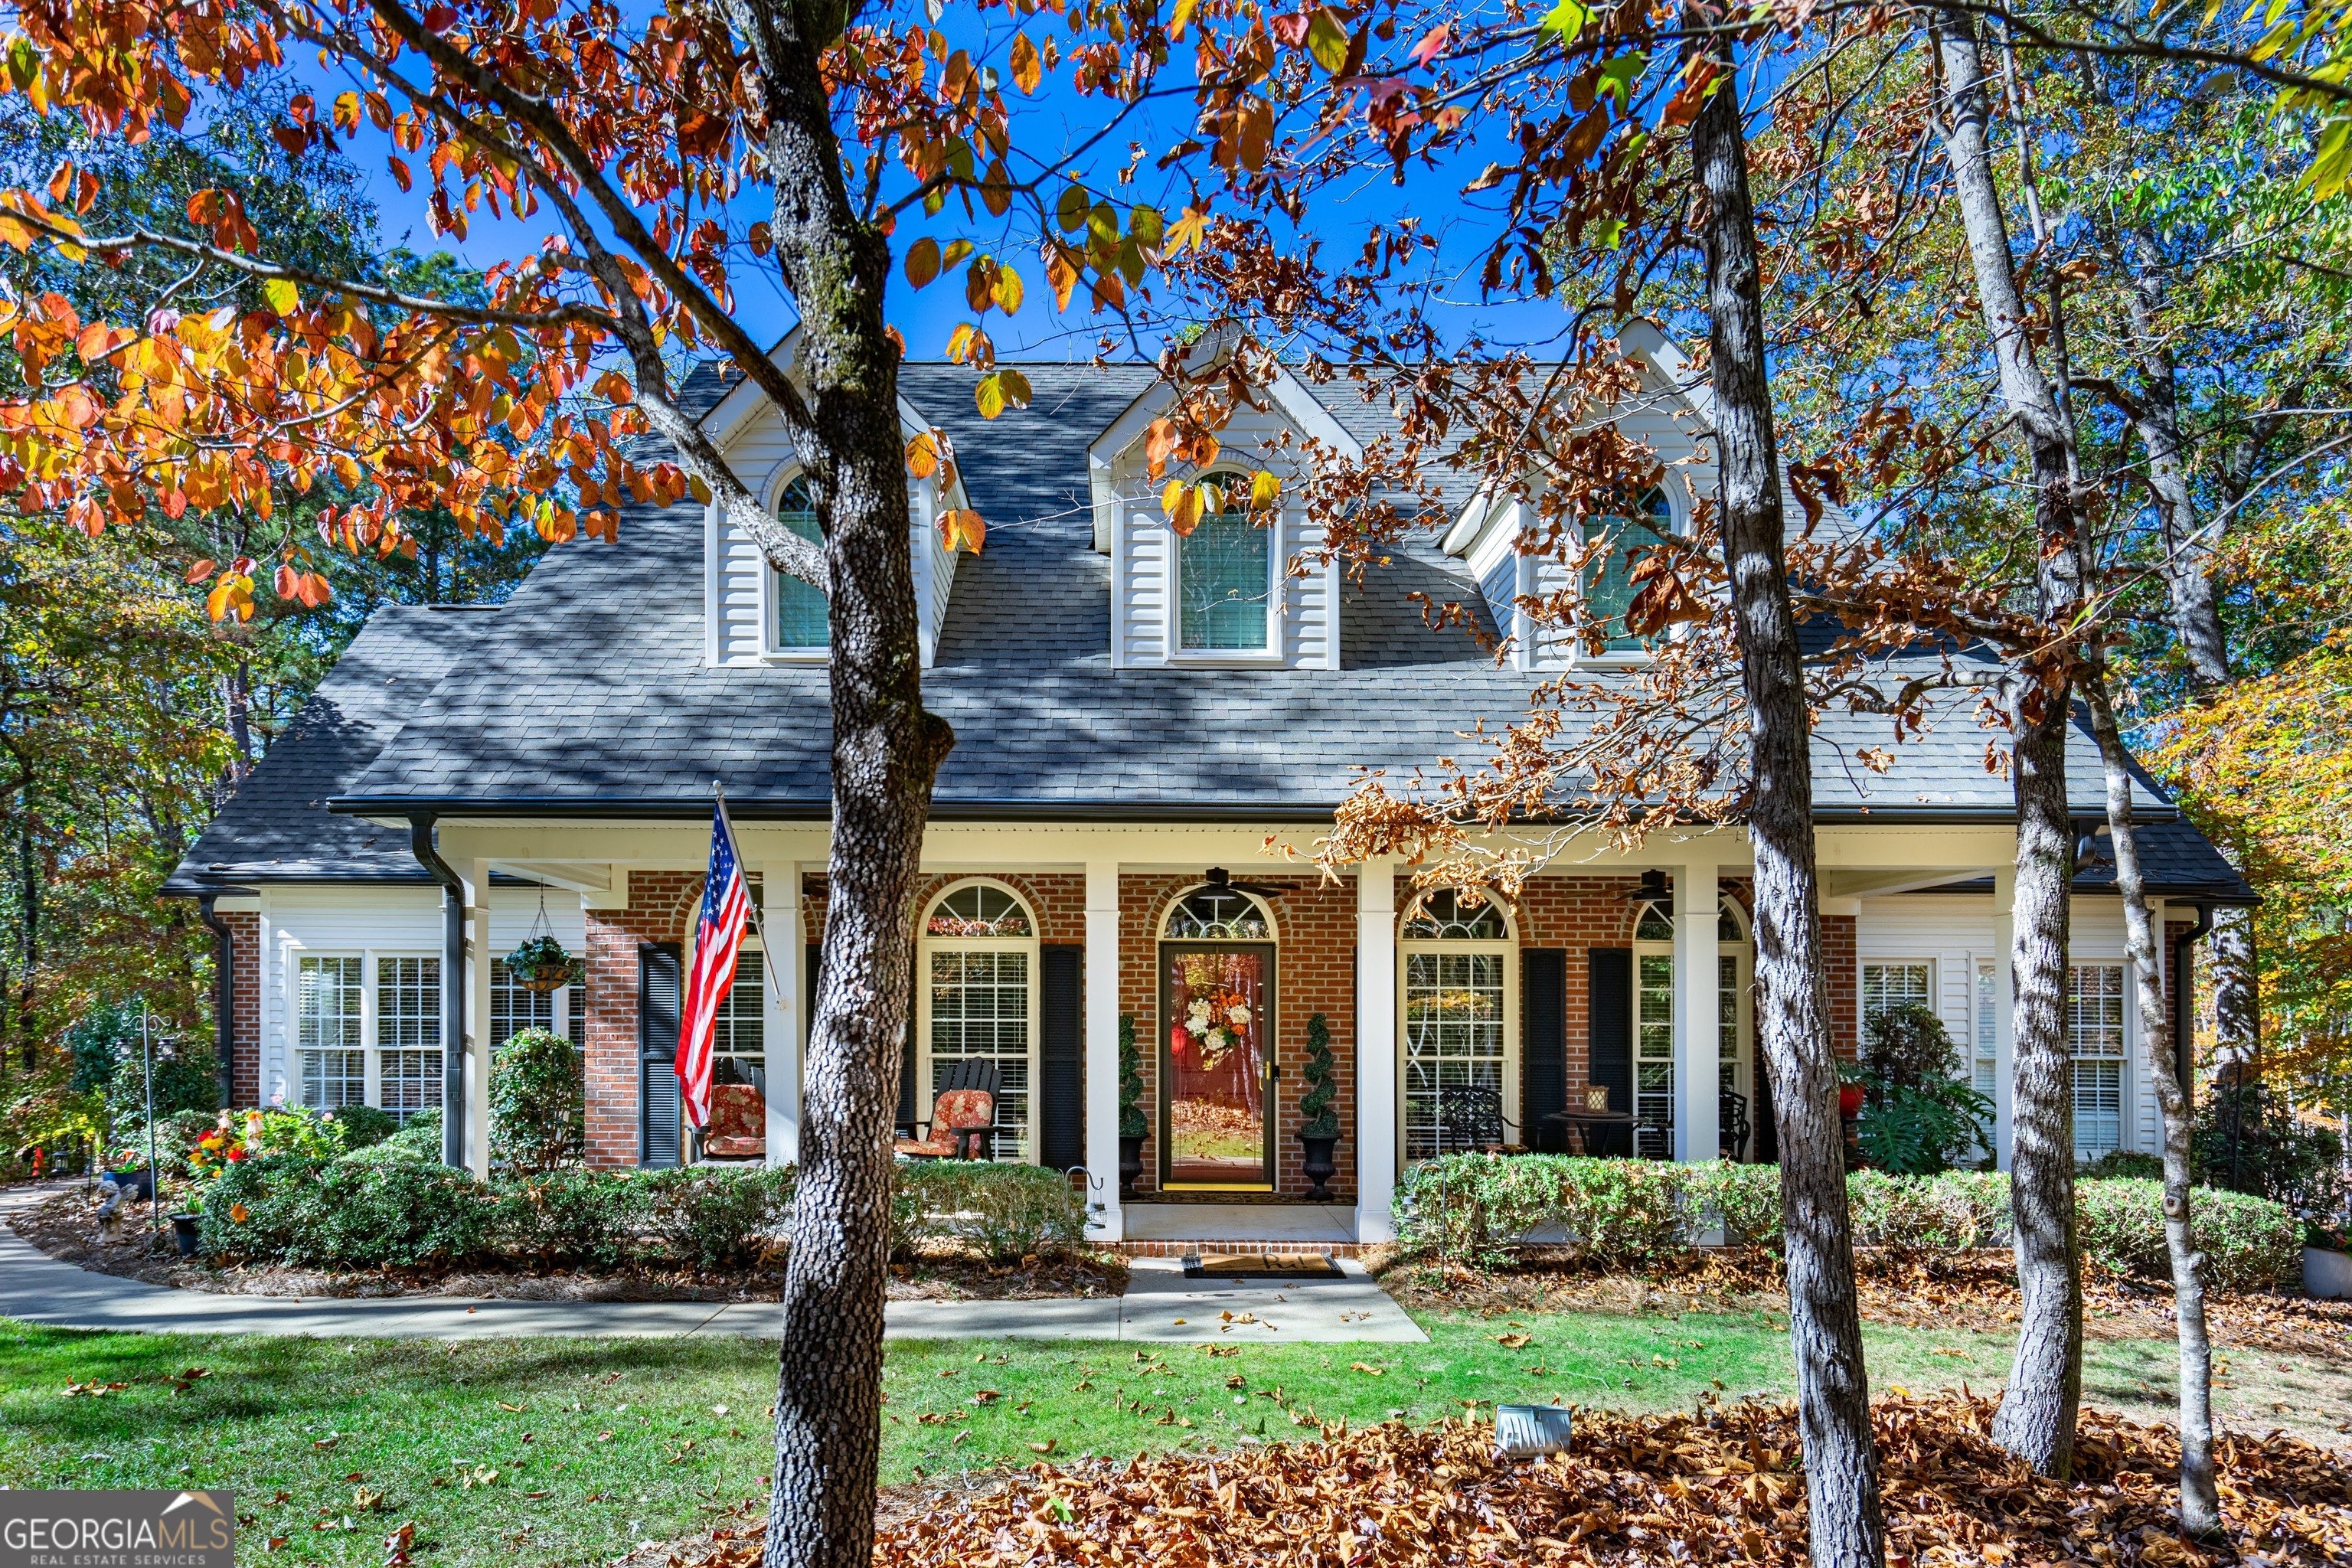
(1001, 1212)
(1488, 1209)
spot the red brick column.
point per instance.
(1845, 973)
(245, 1006)
(660, 904)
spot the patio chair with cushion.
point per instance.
(739, 1123)
(962, 1124)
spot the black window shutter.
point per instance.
(1543, 1048)
(657, 1015)
(1609, 1009)
(1061, 1056)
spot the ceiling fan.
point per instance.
(1652, 887)
(1221, 880)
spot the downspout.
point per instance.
(2184, 1010)
(224, 996)
(453, 987)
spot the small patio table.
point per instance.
(1583, 1122)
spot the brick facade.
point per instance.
(245, 1005)
(660, 905)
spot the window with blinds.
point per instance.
(329, 1025)
(408, 1035)
(1886, 985)
(1653, 1051)
(739, 1031)
(1986, 1036)
(2094, 1038)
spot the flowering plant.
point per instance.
(317, 1133)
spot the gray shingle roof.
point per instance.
(587, 690)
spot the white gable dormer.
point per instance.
(754, 615)
(1219, 618)
(1489, 533)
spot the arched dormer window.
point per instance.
(1226, 584)
(1608, 576)
(799, 619)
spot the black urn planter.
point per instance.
(1319, 1166)
(184, 1233)
(1130, 1164)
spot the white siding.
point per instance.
(360, 919)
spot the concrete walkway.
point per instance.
(1161, 1305)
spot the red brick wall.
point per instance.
(244, 1005)
(660, 904)
(1838, 957)
(1314, 971)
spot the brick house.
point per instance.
(1135, 714)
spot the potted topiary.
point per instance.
(1319, 1126)
(540, 963)
(1132, 1125)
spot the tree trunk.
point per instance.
(28, 872)
(236, 699)
(886, 751)
(2036, 1420)
(2200, 1506)
(1847, 1524)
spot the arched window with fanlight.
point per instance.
(1225, 584)
(1653, 1017)
(799, 617)
(1458, 990)
(978, 998)
(1609, 575)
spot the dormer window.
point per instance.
(1225, 579)
(1608, 576)
(799, 620)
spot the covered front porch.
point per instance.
(1043, 950)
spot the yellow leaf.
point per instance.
(1179, 16)
(281, 295)
(989, 394)
(1265, 489)
(1187, 231)
(1008, 290)
(1015, 385)
(347, 111)
(923, 456)
(1327, 41)
(1071, 211)
(1182, 503)
(922, 261)
(963, 530)
(1027, 70)
(956, 251)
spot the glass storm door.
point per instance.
(1217, 1064)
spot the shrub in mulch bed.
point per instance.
(1726, 1488)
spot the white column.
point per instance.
(786, 958)
(1376, 1051)
(476, 981)
(1104, 1221)
(2004, 1003)
(1697, 1025)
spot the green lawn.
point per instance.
(573, 1450)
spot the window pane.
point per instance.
(1454, 1035)
(979, 1008)
(514, 1008)
(977, 909)
(1609, 579)
(1223, 572)
(2095, 1031)
(408, 1034)
(801, 610)
(1987, 1032)
(1886, 985)
(1447, 915)
(327, 1029)
(1654, 1040)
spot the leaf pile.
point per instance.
(1727, 1487)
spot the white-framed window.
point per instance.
(1892, 984)
(2094, 1038)
(515, 1008)
(798, 615)
(331, 1025)
(368, 1031)
(1459, 995)
(408, 1035)
(1228, 581)
(738, 1032)
(1653, 1018)
(977, 953)
(1985, 1033)
(1608, 588)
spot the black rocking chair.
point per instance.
(1732, 1129)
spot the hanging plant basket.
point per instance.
(540, 963)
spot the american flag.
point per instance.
(718, 937)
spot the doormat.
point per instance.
(1261, 1265)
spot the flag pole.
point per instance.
(735, 844)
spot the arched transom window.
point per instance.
(1218, 914)
(1459, 992)
(979, 1001)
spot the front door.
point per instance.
(1216, 1060)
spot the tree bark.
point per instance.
(886, 751)
(2036, 1419)
(2200, 1505)
(1847, 1522)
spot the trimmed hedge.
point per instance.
(388, 1208)
(1486, 1208)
